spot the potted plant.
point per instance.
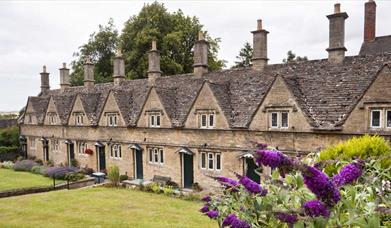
(88, 151)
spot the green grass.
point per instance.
(10, 179)
(100, 207)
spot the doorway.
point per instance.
(101, 156)
(71, 153)
(188, 175)
(138, 164)
(250, 172)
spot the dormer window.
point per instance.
(79, 119)
(154, 119)
(207, 120)
(112, 119)
(376, 118)
(52, 118)
(279, 120)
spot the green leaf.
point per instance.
(276, 175)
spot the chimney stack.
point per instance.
(337, 48)
(370, 21)
(118, 68)
(64, 77)
(259, 59)
(200, 56)
(45, 87)
(89, 73)
(153, 64)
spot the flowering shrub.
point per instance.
(7, 165)
(24, 165)
(301, 194)
(60, 172)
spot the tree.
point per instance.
(244, 57)
(291, 57)
(101, 48)
(174, 32)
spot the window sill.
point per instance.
(156, 164)
(116, 159)
(210, 171)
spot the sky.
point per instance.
(37, 33)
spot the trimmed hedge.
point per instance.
(8, 149)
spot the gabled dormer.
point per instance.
(35, 110)
(153, 114)
(206, 112)
(78, 115)
(279, 110)
(51, 117)
(111, 115)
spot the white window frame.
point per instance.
(287, 120)
(207, 116)
(211, 157)
(112, 119)
(116, 151)
(371, 118)
(156, 155)
(203, 155)
(387, 111)
(79, 119)
(81, 147)
(56, 145)
(33, 144)
(53, 118)
(155, 120)
(271, 120)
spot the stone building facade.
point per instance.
(192, 126)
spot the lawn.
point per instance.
(9, 179)
(100, 207)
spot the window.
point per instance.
(55, 145)
(376, 118)
(156, 155)
(79, 119)
(29, 118)
(112, 119)
(52, 118)
(116, 151)
(32, 143)
(388, 118)
(203, 160)
(210, 161)
(154, 120)
(274, 123)
(207, 120)
(279, 120)
(81, 147)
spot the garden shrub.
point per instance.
(39, 161)
(168, 190)
(113, 175)
(42, 170)
(74, 176)
(173, 184)
(24, 165)
(7, 165)
(8, 149)
(60, 172)
(9, 137)
(87, 171)
(75, 163)
(50, 163)
(357, 147)
(196, 187)
(155, 188)
(123, 177)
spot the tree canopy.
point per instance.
(244, 57)
(175, 34)
(291, 57)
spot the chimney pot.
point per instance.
(259, 58)
(118, 68)
(153, 64)
(45, 87)
(200, 55)
(89, 80)
(336, 47)
(64, 77)
(370, 21)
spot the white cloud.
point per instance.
(34, 33)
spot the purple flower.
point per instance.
(320, 184)
(290, 218)
(227, 181)
(206, 198)
(348, 174)
(238, 223)
(316, 208)
(205, 208)
(213, 214)
(270, 158)
(251, 186)
(229, 219)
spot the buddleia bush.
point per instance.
(300, 194)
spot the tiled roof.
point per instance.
(39, 105)
(381, 44)
(325, 92)
(63, 103)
